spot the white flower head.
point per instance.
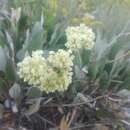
(51, 74)
(32, 68)
(79, 37)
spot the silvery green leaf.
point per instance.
(119, 64)
(35, 39)
(2, 87)
(15, 14)
(10, 44)
(78, 58)
(55, 35)
(79, 73)
(9, 72)
(7, 103)
(34, 106)
(93, 69)
(85, 69)
(104, 80)
(86, 54)
(34, 92)
(3, 59)
(15, 91)
(14, 107)
(2, 40)
(101, 47)
(42, 20)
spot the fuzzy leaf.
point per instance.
(2, 87)
(9, 73)
(3, 59)
(34, 92)
(93, 69)
(34, 40)
(34, 106)
(15, 91)
(85, 57)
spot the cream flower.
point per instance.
(32, 68)
(51, 74)
(61, 73)
(61, 59)
(80, 37)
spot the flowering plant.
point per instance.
(80, 37)
(50, 74)
(42, 68)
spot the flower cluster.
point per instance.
(80, 37)
(61, 62)
(51, 74)
(32, 68)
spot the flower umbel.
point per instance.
(80, 37)
(61, 64)
(32, 68)
(51, 74)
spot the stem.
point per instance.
(76, 104)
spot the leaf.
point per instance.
(10, 44)
(2, 40)
(55, 35)
(34, 40)
(33, 107)
(118, 65)
(78, 58)
(15, 91)
(115, 49)
(126, 83)
(79, 74)
(104, 78)
(34, 92)
(14, 107)
(15, 14)
(2, 87)
(3, 59)
(101, 47)
(85, 54)
(9, 73)
(93, 69)
(7, 103)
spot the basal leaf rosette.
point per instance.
(50, 74)
(79, 37)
